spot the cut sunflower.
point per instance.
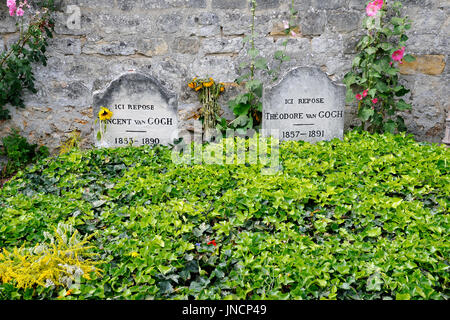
(105, 114)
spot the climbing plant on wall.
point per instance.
(374, 81)
(247, 107)
(16, 63)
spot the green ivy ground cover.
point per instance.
(362, 218)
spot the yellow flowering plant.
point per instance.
(58, 263)
(103, 115)
(72, 143)
(209, 92)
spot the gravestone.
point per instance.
(144, 112)
(305, 105)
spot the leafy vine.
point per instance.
(16, 72)
(374, 75)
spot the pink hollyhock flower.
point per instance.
(378, 3)
(358, 97)
(20, 12)
(286, 24)
(372, 9)
(365, 92)
(374, 101)
(398, 55)
(12, 7)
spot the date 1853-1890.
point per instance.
(144, 141)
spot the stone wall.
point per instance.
(175, 40)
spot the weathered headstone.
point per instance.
(144, 112)
(305, 105)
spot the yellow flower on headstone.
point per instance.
(105, 114)
(198, 88)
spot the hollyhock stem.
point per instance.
(252, 40)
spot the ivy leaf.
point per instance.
(164, 269)
(374, 232)
(165, 287)
(402, 296)
(374, 282)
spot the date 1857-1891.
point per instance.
(298, 134)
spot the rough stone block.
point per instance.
(344, 21)
(204, 31)
(113, 48)
(152, 47)
(236, 23)
(186, 45)
(426, 64)
(266, 4)
(170, 23)
(233, 45)
(204, 19)
(66, 45)
(220, 68)
(229, 4)
(7, 23)
(328, 4)
(313, 23)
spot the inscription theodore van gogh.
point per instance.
(143, 112)
(305, 105)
